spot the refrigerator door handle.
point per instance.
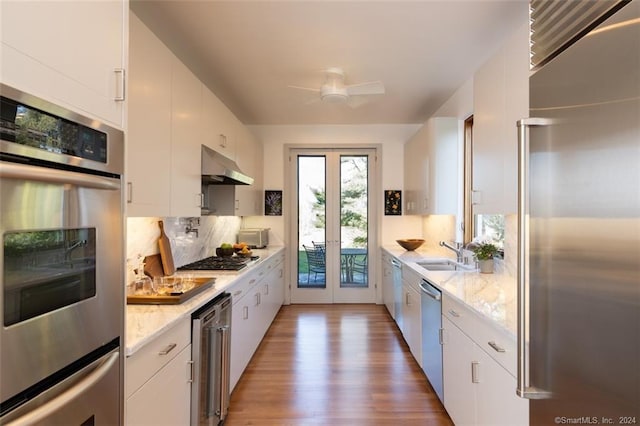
(524, 388)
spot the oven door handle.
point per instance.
(44, 174)
(43, 411)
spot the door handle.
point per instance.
(524, 389)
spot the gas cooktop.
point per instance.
(215, 263)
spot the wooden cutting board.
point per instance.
(165, 251)
(153, 266)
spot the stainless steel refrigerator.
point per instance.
(579, 231)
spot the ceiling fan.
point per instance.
(335, 91)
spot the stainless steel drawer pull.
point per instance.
(237, 293)
(190, 371)
(474, 372)
(454, 313)
(496, 347)
(168, 349)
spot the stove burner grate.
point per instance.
(219, 263)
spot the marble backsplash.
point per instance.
(143, 233)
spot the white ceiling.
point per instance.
(248, 52)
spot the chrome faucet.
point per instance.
(457, 249)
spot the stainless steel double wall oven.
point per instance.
(61, 265)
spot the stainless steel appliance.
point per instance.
(219, 177)
(215, 263)
(211, 345)
(254, 237)
(61, 263)
(579, 230)
(431, 308)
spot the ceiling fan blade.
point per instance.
(368, 88)
(309, 89)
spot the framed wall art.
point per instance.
(392, 202)
(273, 203)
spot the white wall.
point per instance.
(390, 137)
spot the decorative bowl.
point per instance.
(410, 244)
(224, 252)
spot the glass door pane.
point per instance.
(354, 223)
(312, 214)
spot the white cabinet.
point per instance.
(459, 391)
(149, 123)
(70, 53)
(164, 130)
(256, 300)
(500, 100)
(477, 387)
(219, 125)
(412, 313)
(249, 159)
(431, 168)
(387, 282)
(186, 131)
(158, 380)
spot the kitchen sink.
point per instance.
(443, 265)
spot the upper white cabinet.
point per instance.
(501, 98)
(219, 125)
(431, 168)
(249, 159)
(71, 53)
(148, 144)
(186, 133)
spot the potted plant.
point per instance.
(485, 251)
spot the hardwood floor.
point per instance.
(334, 365)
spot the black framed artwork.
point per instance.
(392, 202)
(273, 203)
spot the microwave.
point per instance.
(254, 237)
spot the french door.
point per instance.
(332, 225)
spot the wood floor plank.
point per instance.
(334, 365)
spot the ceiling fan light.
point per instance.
(334, 98)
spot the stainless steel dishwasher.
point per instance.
(431, 304)
(211, 343)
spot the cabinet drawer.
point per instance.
(244, 285)
(498, 343)
(143, 364)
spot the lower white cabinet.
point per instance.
(387, 283)
(158, 380)
(412, 321)
(477, 389)
(256, 302)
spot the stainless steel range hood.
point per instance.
(220, 170)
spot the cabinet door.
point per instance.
(241, 337)
(218, 125)
(387, 283)
(459, 391)
(149, 123)
(249, 158)
(413, 317)
(416, 172)
(67, 52)
(186, 131)
(500, 93)
(166, 398)
(497, 402)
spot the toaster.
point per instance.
(254, 237)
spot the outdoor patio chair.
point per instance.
(360, 267)
(315, 262)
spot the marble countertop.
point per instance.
(144, 322)
(492, 296)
